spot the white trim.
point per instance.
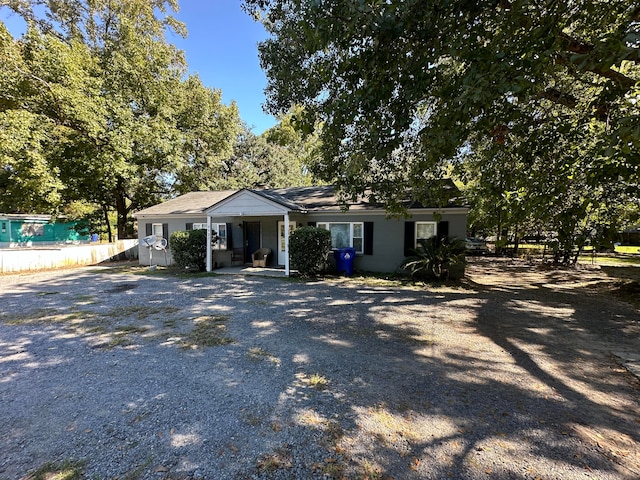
(216, 226)
(411, 211)
(282, 240)
(200, 215)
(415, 233)
(209, 238)
(351, 229)
(286, 244)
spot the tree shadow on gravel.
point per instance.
(495, 380)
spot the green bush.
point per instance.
(309, 249)
(434, 257)
(189, 249)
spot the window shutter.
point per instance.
(229, 236)
(368, 238)
(311, 224)
(165, 231)
(409, 238)
(148, 227)
(443, 230)
(189, 226)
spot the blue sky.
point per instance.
(222, 48)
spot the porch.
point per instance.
(248, 270)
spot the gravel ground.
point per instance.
(151, 376)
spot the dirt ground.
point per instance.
(593, 301)
(519, 372)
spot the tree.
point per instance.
(403, 88)
(209, 129)
(109, 89)
(277, 158)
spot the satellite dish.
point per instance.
(150, 241)
(160, 244)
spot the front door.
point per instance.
(282, 258)
(251, 239)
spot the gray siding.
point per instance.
(388, 235)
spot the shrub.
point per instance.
(309, 249)
(189, 249)
(434, 257)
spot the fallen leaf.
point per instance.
(160, 468)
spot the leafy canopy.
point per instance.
(95, 107)
(405, 88)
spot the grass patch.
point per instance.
(48, 315)
(258, 354)
(124, 329)
(119, 341)
(279, 459)
(68, 470)
(627, 249)
(208, 332)
(608, 260)
(318, 382)
(331, 468)
(140, 312)
(84, 300)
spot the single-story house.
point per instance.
(249, 219)
(17, 230)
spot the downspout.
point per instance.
(286, 244)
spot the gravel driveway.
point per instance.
(151, 376)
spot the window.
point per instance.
(425, 230)
(219, 229)
(33, 229)
(199, 226)
(4, 227)
(345, 234)
(157, 230)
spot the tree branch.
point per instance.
(556, 96)
(622, 81)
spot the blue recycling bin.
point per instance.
(344, 260)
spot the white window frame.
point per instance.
(221, 244)
(155, 227)
(416, 238)
(327, 226)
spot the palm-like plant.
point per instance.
(434, 257)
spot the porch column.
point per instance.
(208, 243)
(286, 244)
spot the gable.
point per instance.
(247, 202)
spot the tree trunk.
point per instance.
(498, 247)
(105, 210)
(121, 209)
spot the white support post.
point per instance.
(286, 244)
(209, 237)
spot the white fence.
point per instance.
(38, 258)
